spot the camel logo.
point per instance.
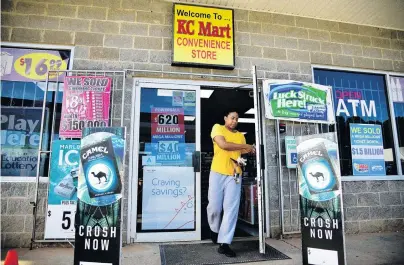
(99, 176)
(317, 175)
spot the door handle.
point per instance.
(196, 161)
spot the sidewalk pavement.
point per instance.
(363, 249)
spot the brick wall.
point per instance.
(129, 34)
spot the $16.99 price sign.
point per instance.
(32, 65)
(86, 102)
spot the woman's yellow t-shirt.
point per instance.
(221, 162)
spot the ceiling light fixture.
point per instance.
(205, 93)
(164, 93)
(189, 118)
(246, 120)
(250, 111)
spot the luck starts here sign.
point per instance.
(203, 36)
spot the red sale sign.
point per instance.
(167, 121)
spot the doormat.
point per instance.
(206, 254)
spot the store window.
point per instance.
(23, 84)
(397, 96)
(363, 122)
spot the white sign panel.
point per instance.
(318, 256)
(168, 198)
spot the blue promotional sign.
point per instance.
(168, 139)
(168, 149)
(20, 133)
(62, 194)
(367, 150)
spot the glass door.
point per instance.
(166, 163)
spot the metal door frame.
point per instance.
(134, 167)
(260, 164)
(138, 77)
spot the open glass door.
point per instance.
(166, 163)
(260, 168)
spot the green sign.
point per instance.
(298, 101)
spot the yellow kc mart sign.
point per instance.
(203, 36)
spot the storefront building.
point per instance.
(133, 43)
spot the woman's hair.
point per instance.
(228, 111)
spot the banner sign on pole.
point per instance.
(30, 65)
(367, 150)
(98, 237)
(20, 135)
(86, 102)
(291, 153)
(168, 200)
(322, 220)
(203, 36)
(298, 101)
(62, 194)
(168, 139)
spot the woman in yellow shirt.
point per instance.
(224, 191)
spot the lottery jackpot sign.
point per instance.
(168, 140)
(86, 101)
(167, 121)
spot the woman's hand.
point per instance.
(250, 149)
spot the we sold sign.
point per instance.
(367, 149)
(203, 36)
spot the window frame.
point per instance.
(387, 75)
(6, 44)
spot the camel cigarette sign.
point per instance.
(98, 236)
(100, 167)
(298, 101)
(203, 36)
(322, 221)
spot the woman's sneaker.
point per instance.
(225, 249)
